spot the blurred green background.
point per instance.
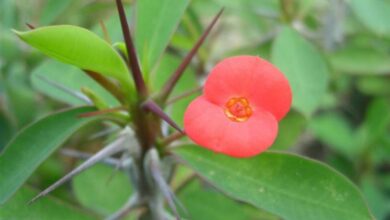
(341, 117)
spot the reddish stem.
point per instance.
(132, 60)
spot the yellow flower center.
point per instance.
(238, 109)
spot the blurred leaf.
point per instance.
(293, 187)
(19, 95)
(203, 202)
(34, 144)
(355, 60)
(79, 47)
(334, 130)
(69, 77)
(187, 82)
(374, 14)
(113, 24)
(378, 202)
(9, 48)
(304, 67)
(7, 14)
(290, 128)
(51, 169)
(155, 23)
(5, 131)
(47, 208)
(343, 165)
(52, 9)
(374, 85)
(102, 189)
(181, 175)
(378, 118)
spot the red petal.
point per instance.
(206, 124)
(253, 78)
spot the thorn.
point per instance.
(103, 133)
(105, 32)
(169, 85)
(132, 60)
(85, 156)
(153, 107)
(32, 27)
(104, 111)
(75, 94)
(161, 183)
(184, 95)
(107, 151)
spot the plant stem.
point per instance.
(132, 60)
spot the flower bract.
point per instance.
(244, 98)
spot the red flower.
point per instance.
(244, 98)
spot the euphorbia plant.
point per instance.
(244, 98)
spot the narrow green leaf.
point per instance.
(290, 186)
(34, 144)
(69, 77)
(80, 47)
(155, 23)
(47, 208)
(374, 14)
(304, 67)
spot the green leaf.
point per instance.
(376, 198)
(34, 144)
(5, 130)
(304, 67)
(374, 85)
(290, 128)
(9, 48)
(290, 186)
(52, 9)
(374, 14)
(204, 202)
(358, 60)
(69, 77)
(377, 118)
(19, 95)
(8, 14)
(80, 47)
(155, 23)
(102, 189)
(335, 131)
(47, 208)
